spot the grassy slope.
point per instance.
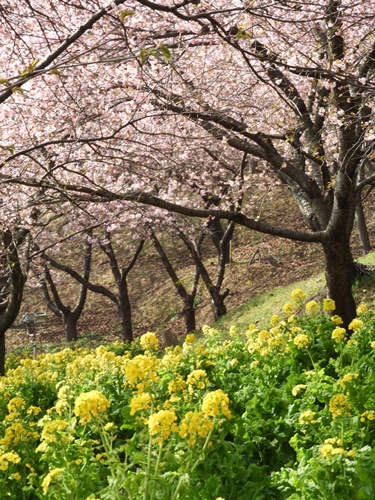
(255, 284)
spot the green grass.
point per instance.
(260, 308)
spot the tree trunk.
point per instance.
(189, 314)
(340, 275)
(362, 227)
(124, 309)
(217, 234)
(2, 351)
(14, 300)
(70, 326)
(217, 303)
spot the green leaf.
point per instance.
(55, 71)
(242, 34)
(166, 53)
(126, 13)
(144, 55)
(30, 69)
(18, 89)
(4, 81)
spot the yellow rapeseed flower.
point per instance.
(162, 424)
(51, 430)
(312, 307)
(298, 388)
(216, 403)
(298, 295)
(197, 379)
(355, 325)
(195, 424)
(16, 404)
(347, 379)
(329, 305)
(190, 338)
(141, 370)
(140, 402)
(369, 414)
(301, 340)
(90, 405)
(289, 309)
(337, 319)
(361, 309)
(50, 478)
(8, 458)
(14, 434)
(338, 334)
(307, 417)
(149, 341)
(339, 405)
(274, 320)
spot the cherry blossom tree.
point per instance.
(13, 279)
(135, 111)
(53, 299)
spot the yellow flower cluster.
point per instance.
(8, 458)
(298, 295)
(301, 340)
(289, 309)
(264, 341)
(337, 319)
(177, 385)
(369, 414)
(208, 331)
(347, 379)
(339, 405)
(216, 403)
(356, 324)
(140, 371)
(298, 388)
(362, 309)
(140, 402)
(149, 341)
(197, 379)
(90, 405)
(307, 417)
(338, 334)
(14, 434)
(50, 477)
(329, 450)
(190, 338)
(162, 424)
(51, 430)
(312, 307)
(15, 405)
(329, 305)
(195, 424)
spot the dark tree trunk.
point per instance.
(70, 317)
(217, 234)
(125, 312)
(2, 352)
(12, 305)
(362, 226)
(70, 326)
(188, 298)
(340, 275)
(217, 303)
(189, 314)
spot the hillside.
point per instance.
(260, 264)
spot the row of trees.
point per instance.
(183, 107)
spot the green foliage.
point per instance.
(286, 412)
